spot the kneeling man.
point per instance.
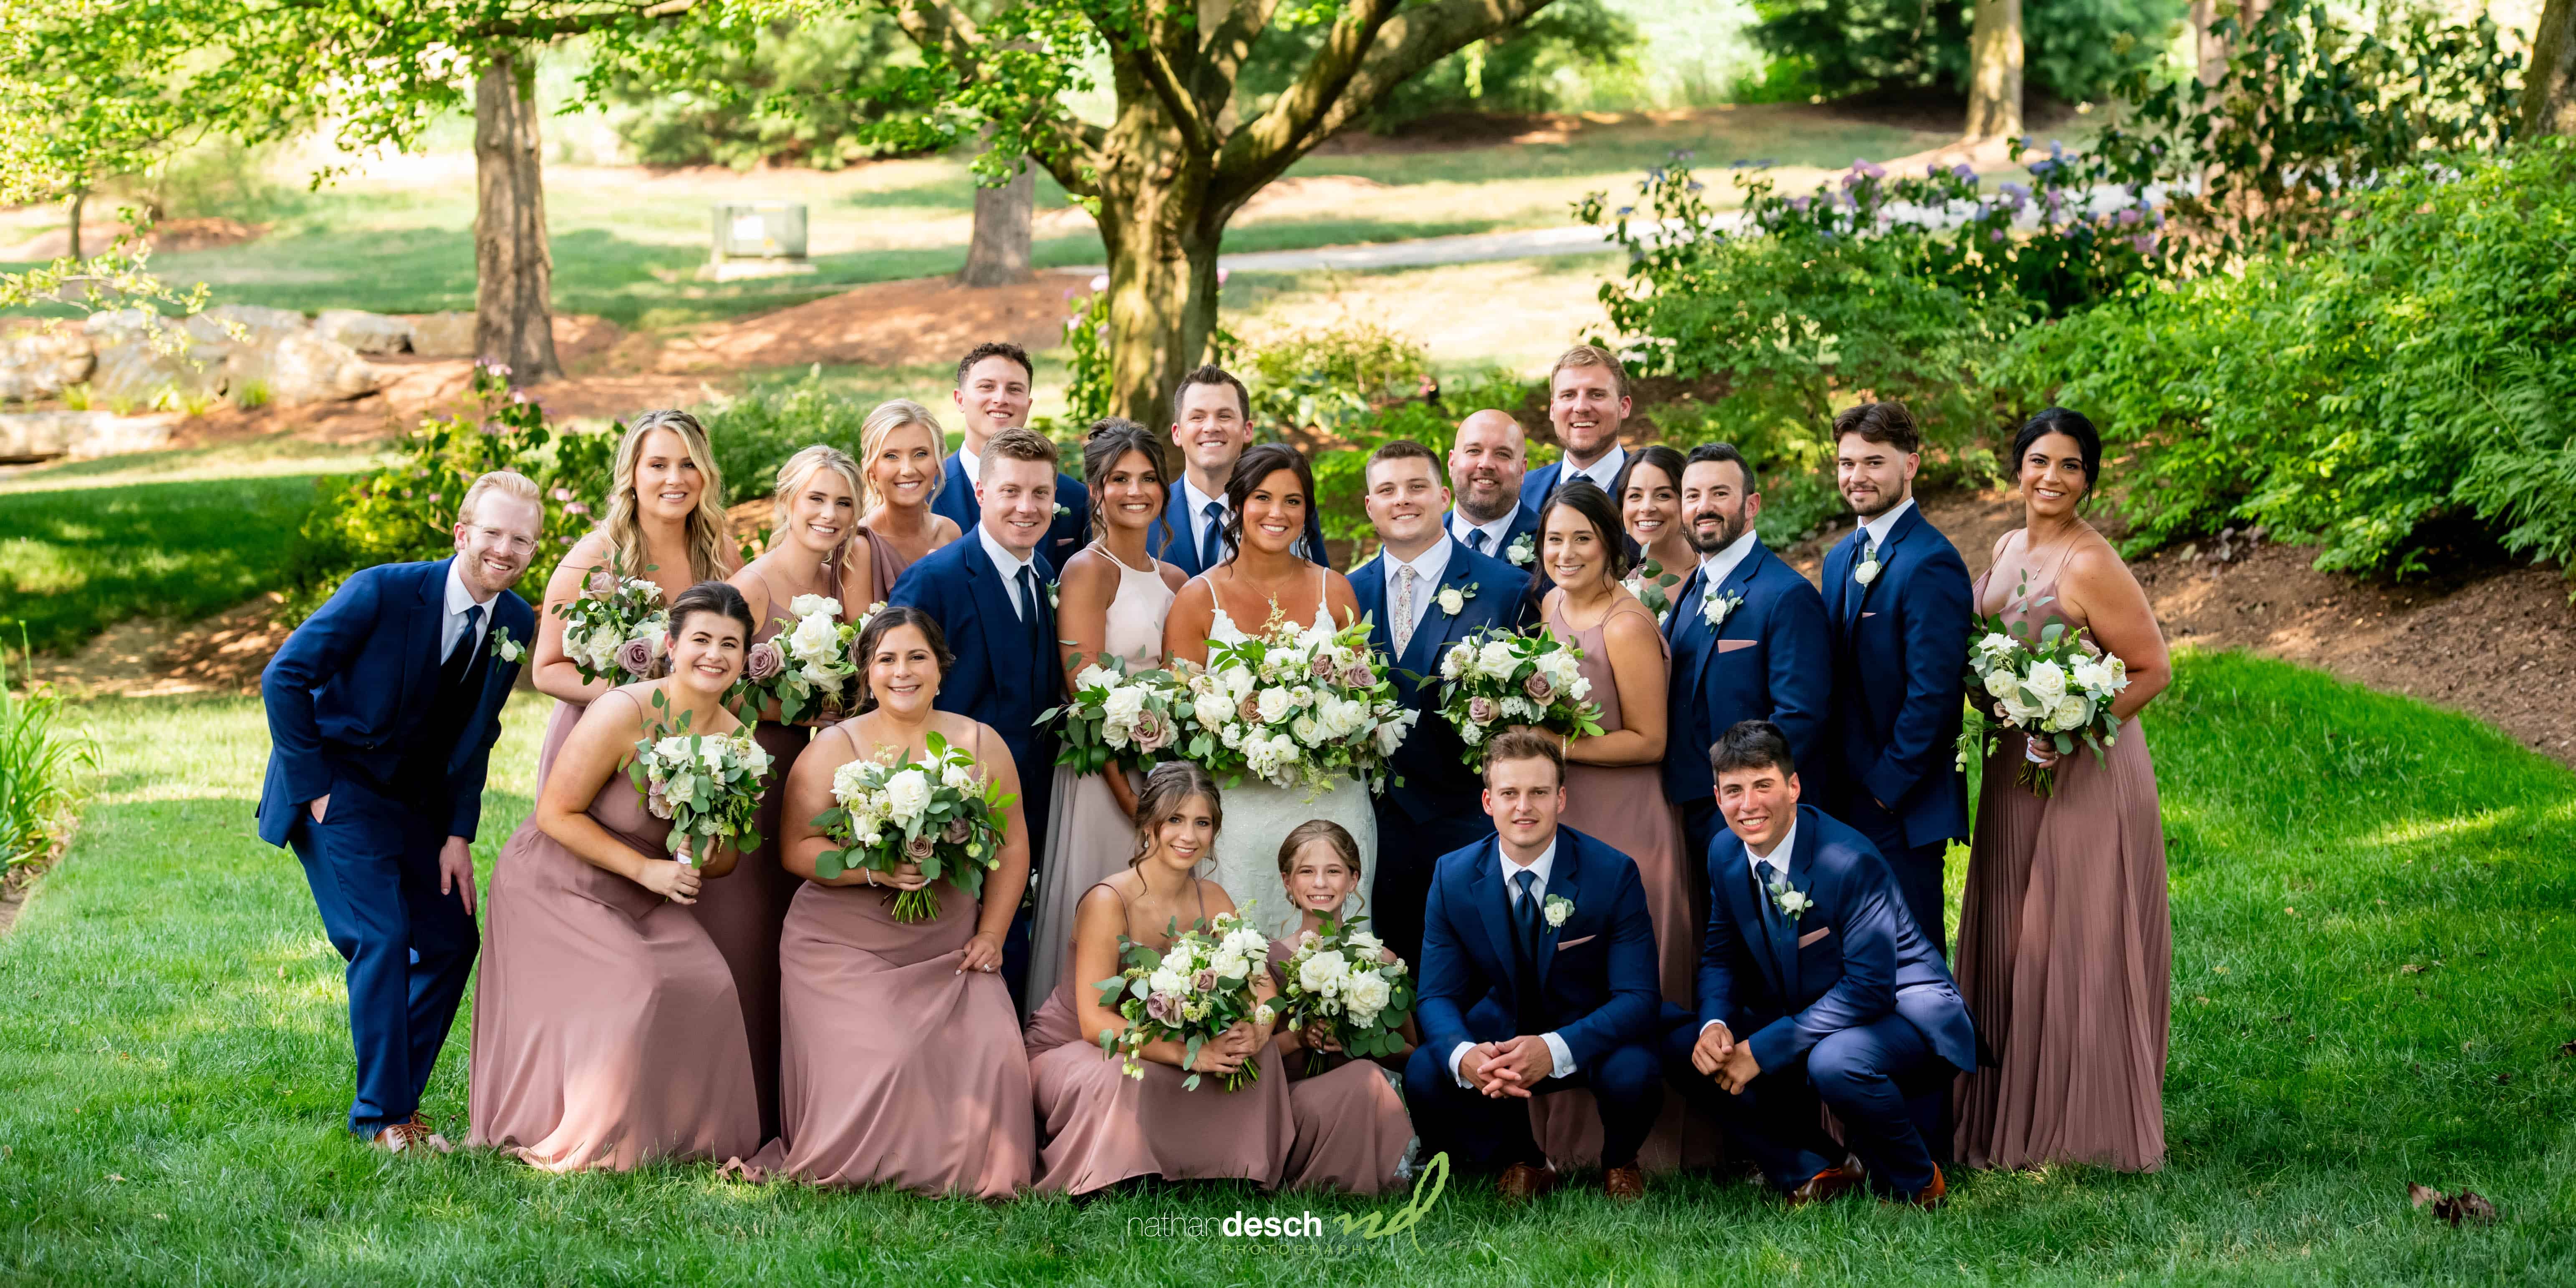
(1815, 984)
(1538, 974)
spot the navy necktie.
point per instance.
(463, 650)
(1476, 541)
(1212, 546)
(1028, 580)
(1767, 874)
(1526, 916)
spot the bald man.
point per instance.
(1485, 468)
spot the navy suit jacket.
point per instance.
(1071, 530)
(1849, 960)
(1432, 761)
(1170, 540)
(1596, 973)
(1770, 660)
(1002, 673)
(1900, 655)
(1536, 484)
(356, 684)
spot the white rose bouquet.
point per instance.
(938, 813)
(1190, 993)
(1294, 707)
(707, 785)
(615, 628)
(1494, 679)
(1343, 984)
(806, 668)
(2054, 685)
(1116, 716)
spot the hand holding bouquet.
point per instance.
(2055, 686)
(1345, 986)
(1294, 707)
(615, 629)
(806, 667)
(1191, 992)
(1498, 678)
(707, 785)
(1116, 716)
(939, 814)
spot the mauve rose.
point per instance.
(1163, 1008)
(1203, 981)
(1357, 676)
(917, 849)
(1323, 668)
(1249, 710)
(635, 657)
(956, 832)
(653, 801)
(1153, 732)
(1538, 689)
(762, 661)
(1481, 710)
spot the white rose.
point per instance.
(1094, 677)
(957, 776)
(1451, 602)
(1125, 703)
(1496, 660)
(680, 789)
(848, 781)
(1456, 660)
(1167, 980)
(2021, 714)
(1307, 731)
(1238, 681)
(1367, 993)
(2071, 712)
(1211, 709)
(809, 605)
(1274, 705)
(907, 794)
(1318, 972)
(712, 751)
(2000, 685)
(2047, 682)
(1996, 644)
(815, 638)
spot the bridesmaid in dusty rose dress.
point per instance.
(2065, 948)
(1614, 793)
(606, 1030)
(1352, 1129)
(902, 1064)
(815, 549)
(901, 448)
(665, 524)
(1114, 598)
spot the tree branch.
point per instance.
(1229, 43)
(938, 26)
(1198, 132)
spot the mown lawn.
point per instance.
(77, 560)
(173, 1069)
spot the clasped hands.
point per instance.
(1227, 1051)
(1720, 1056)
(1509, 1067)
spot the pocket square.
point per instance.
(1869, 612)
(1729, 646)
(1814, 935)
(1561, 947)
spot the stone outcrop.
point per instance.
(369, 333)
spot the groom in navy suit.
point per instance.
(1537, 975)
(1814, 985)
(1211, 425)
(1748, 638)
(992, 592)
(1897, 597)
(382, 710)
(994, 392)
(1422, 593)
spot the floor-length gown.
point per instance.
(897, 1068)
(2066, 956)
(606, 1029)
(1100, 1127)
(1623, 806)
(1352, 1131)
(1088, 835)
(1259, 815)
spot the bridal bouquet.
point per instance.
(2055, 686)
(615, 628)
(808, 666)
(1116, 716)
(707, 785)
(938, 813)
(1294, 707)
(1191, 992)
(1342, 983)
(1498, 678)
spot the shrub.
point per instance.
(2074, 49)
(39, 764)
(815, 87)
(1341, 473)
(754, 433)
(1330, 378)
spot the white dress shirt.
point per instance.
(1777, 858)
(1428, 568)
(1460, 526)
(1603, 472)
(459, 598)
(1009, 565)
(1195, 502)
(1718, 567)
(1875, 531)
(1561, 1055)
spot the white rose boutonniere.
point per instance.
(1716, 607)
(1866, 573)
(1061, 509)
(505, 648)
(1453, 599)
(1793, 903)
(1053, 593)
(1523, 551)
(1557, 908)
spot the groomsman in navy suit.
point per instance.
(994, 392)
(1897, 597)
(1211, 425)
(1587, 400)
(1485, 471)
(1422, 593)
(992, 592)
(382, 710)
(1537, 975)
(1748, 637)
(1814, 985)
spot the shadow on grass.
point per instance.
(79, 560)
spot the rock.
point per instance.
(258, 325)
(39, 435)
(305, 368)
(145, 361)
(443, 335)
(364, 332)
(37, 362)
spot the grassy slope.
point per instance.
(78, 560)
(173, 1068)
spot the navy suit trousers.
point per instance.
(1882, 1080)
(1478, 1130)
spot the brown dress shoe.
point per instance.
(407, 1138)
(434, 1140)
(1823, 1187)
(1522, 1182)
(1624, 1184)
(1930, 1196)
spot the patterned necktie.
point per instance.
(1402, 627)
(1212, 546)
(1477, 540)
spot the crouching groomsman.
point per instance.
(1815, 985)
(1537, 975)
(382, 711)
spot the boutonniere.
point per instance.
(1052, 594)
(1453, 599)
(1523, 551)
(1792, 903)
(1716, 607)
(1866, 572)
(1061, 509)
(505, 648)
(1557, 908)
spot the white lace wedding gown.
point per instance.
(1258, 816)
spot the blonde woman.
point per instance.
(665, 524)
(900, 451)
(815, 549)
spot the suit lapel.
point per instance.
(1801, 872)
(1485, 891)
(429, 631)
(1838, 566)
(1734, 879)
(1368, 586)
(1564, 881)
(1438, 627)
(993, 606)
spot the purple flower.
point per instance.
(635, 657)
(2145, 243)
(655, 802)
(1323, 668)
(1966, 172)
(762, 662)
(956, 831)
(1357, 676)
(1538, 689)
(2130, 216)
(1163, 1008)
(1204, 980)
(1482, 710)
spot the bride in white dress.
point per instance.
(1266, 504)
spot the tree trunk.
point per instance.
(513, 268)
(80, 198)
(1994, 71)
(998, 254)
(2549, 90)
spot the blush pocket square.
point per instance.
(1572, 942)
(1729, 646)
(1814, 935)
(1870, 613)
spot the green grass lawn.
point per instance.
(76, 560)
(174, 1067)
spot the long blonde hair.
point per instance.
(820, 456)
(708, 534)
(887, 418)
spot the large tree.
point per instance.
(1994, 71)
(1182, 153)
(2549, 92)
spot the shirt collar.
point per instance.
(1780, 854)
(1197, 500)
(1878, 528)
(1604, 471)
(971, 465)
(1716, 568)
(459, 596)
(1009, 564)
(1460, 525)
(1543, 865)
(1431, 565)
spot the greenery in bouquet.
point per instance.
(940, 814)
(615, 629)
(1114, 716)
(707, 785)
(806, 669)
